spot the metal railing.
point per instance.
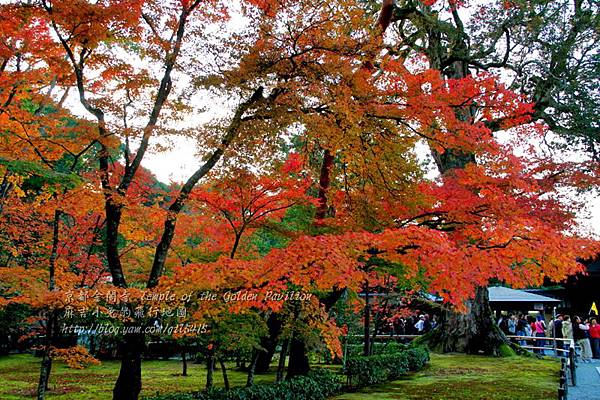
(564, 348)
(386, 337)
(558, 350)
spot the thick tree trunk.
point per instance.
(265, 357)
(473, 332)
(298, 361)
(298, 364)
(113, 220)
(129, 382)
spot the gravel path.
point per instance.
(588, 382)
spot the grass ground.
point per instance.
(461, 377)
(19, 375)
(448, 377)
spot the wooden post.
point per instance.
(572, 364)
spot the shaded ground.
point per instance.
(461, 377)
(19, 375)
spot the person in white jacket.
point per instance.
(420, 324)
(567, 331)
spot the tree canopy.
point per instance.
(309, 178)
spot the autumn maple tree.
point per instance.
(330, 108)
(461, 46)
(430, 94)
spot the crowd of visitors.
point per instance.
(413, 325)
(534, 329)
(587, 335)
(585, 332)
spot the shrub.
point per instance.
(356, 350)
(363, 371)
(418, 358)
(319, 384)
(392, 347)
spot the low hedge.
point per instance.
(369, 370)
(356, 350)
(319, 384)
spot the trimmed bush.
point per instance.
(419, 357)
(319, 384)
(356, 350)
(363, 371)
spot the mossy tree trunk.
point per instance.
(472, 332)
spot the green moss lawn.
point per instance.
(448, 377)
(19, 375)
(460, 377)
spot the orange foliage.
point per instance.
(76, 357)
(333, 85)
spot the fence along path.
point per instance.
(571, 386)
(577, 381)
